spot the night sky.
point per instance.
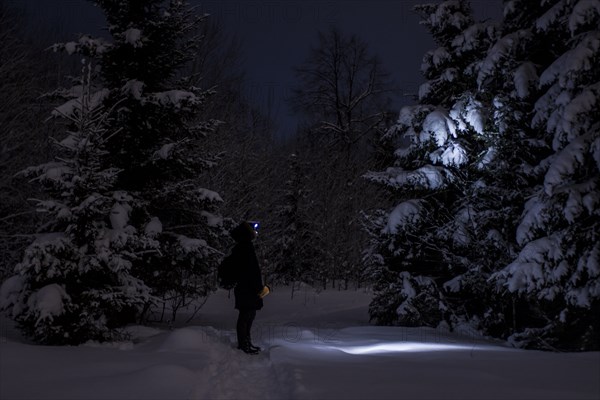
(277, 36)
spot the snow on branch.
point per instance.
(551, 16)
(524, 77)
(527, 273)
(580, 59)
(585, 12)
(406, 213)
(439, 125)
(566, 163)
(86, 45)
(209, 195)
(177, 99)
(133, 36)
(426, 177)
(80, 104)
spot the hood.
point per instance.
(242, 233)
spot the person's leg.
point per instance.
(251, 317)
(244, 324)
(241, 327)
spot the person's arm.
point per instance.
(256, 273)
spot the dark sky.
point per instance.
(277, 36)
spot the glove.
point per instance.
(265, 291)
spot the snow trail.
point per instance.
(232, 374)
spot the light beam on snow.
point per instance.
(411, 347)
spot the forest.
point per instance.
(125, 160)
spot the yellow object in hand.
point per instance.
(265, 291)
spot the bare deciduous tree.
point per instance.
(342, 89)
(344, 94)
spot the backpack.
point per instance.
(227, 273)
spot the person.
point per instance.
(249, 285)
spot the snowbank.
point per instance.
(316, 345)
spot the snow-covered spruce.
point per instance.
(558, 266)
(299, 256)
(143, 212)
(160, 146)
(75, 281)
(430, 254)
(471, 154)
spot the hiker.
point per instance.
(249, 289)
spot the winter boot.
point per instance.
(247, 348)
(256, 348)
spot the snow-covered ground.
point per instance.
(317, 346)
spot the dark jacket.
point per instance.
(250, 281)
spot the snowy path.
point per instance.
(375, 363)
(231, 374)
(317, 347)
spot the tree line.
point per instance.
(126, 160)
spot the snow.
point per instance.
(133, 87)
(488, 158)
(550, 17)
(524, 76)
(189, 245)
(70, 47)
(52, 171)
(454, 155)
(74, 106)
(449, 75)
(573, 122)
(424, 90)
(212, 219)
(573, 206)
(165, 151)
(454, 284)
(583, 13)
(474, 35)
(534, 266)
(474, 116)
(509, 7)
(446, 14)
(119, 216)
(590, 263)
(565, 164)
(133, 37)
(595, 150)
(573, 62)
(500, 50)
(153, 227)
(440, 56)
(439, 125)
(428, 177)
(175, 98)
(209, 195)
(317, 345)
(535, 216)
(48, 301)
(10, 290)
(96, 45)
(405, 213)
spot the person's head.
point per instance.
(245, 232)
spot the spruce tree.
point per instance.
(506, 161)
(299, 255)
(154, 146)
(558, 266)
(76, 280)
(410, 252)
(159, 149)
